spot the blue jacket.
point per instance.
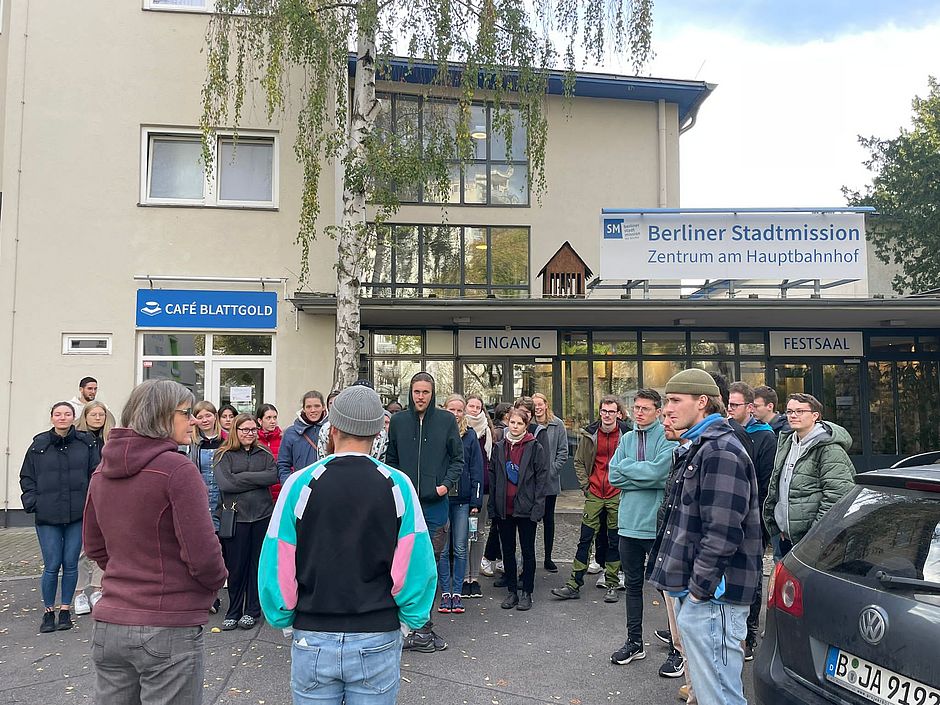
(470, 484)
(641, 482)
(202, 453)
(298, 447)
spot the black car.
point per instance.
(854, 609)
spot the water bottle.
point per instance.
(473, 529)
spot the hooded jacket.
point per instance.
(822, 475)
(55, 475)
(147, 527)
(298, 446)
(427, 449)
(765, 448)
(529, 500)
(584, 458)
(554, 439)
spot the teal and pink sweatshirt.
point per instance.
(347, 550)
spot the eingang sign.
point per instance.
(726, 244)
(511, 343)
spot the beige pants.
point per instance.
(677, 642)
(89, 574)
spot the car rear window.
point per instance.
(873, 529)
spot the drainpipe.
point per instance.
(16, 248)
(663, 194)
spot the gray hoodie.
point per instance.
(798, 449)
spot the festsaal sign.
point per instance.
(179, 308)
(816, 343)
(507, 342)
(726, 244)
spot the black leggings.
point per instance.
(548, 525)
(492, 551)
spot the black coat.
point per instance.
(534, 472)
(55, 475)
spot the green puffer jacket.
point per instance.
(821, 477)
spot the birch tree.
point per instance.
(295, 56)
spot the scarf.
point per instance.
(700, 427)
(479, 424)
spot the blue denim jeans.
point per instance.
(452, 580)
(355, 668)
(61, 545)
(711, 634)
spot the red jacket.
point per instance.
(272, 441)
(146, 525)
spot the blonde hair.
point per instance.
(232, 442)
(462, 424)
(198, 408)
(109, 422)
(549, 416)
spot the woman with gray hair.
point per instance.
(162, 562)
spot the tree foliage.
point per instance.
(906, 193)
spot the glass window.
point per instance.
(396, 344)
(392, 377)
(440, 126)
(440, 342)
(754, 373)
(841, 399)
(529, 378)
(406, 254)
(443, 373)
(663, 343)
(615, 377)
(241, 344)
(475, 183)
(752, 343)
(574, 344)
(577, 411)
(722, 367)
(176, 170)
(451, 193)
(441, 256)
(475, 249)
(891, 344)
(378, 265)
(928, 343)
(881, 408)
(509, 252)
(478, 132)
(190, 373)
(251, 378)
(657, 372)
(485, 379)
(509, 184)
(246, 170)
(711, 343)
(918, 407)
(174, 344)
(508, 121)
(615, 343)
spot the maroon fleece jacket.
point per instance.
(147, 526)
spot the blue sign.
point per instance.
(175, 308)
(613, 228)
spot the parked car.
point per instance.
(854, 609)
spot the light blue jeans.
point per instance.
(711, 635)
(452, 580)
(355, 668)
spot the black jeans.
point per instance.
(753, 617)
(633, 553)
(492, 551)
(548, 525)
(602, 542)
(242, 552)
(507, 534)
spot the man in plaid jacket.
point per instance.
(707, 554)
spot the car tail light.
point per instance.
(922, 486)
(785, 592)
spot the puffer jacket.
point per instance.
(55, 475)
(821, 477)
(554, 439)
(298, 446)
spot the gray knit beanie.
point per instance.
(358, 411)
(692, 381)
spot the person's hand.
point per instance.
(474, 511)
(694, 599)
(441, 490)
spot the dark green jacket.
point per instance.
(428, 450)
(821, 477)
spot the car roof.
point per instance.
(923, 477)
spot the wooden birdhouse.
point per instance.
(565, 275)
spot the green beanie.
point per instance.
(693, 381)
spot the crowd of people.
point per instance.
(359, 518)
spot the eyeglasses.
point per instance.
(643, 410)
(247, 431)
(736, 405)
(798, 412)
(606, 412)
(185, 412)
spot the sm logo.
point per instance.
(613, 228)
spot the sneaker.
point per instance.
(486, 568)
(621, 585)
(499, 567)
(627, 653)
(456, 604)
(525, 601)
(82, 605)
(749, 645)
(674, 666)
(684, 693)
(418, 641)
(229, 624)
(65, 621)
(566, 592)
(501, 581)
(466, 591)
(612, 595)
(438, 641)
(512, 599)
(444, 607)
(95, 596)
(475, 589)
(594, 567)
(602, 581)
(215, 606)
(664, 635)
(246, 622)
(48, 622)
(551, 567)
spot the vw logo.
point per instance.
(872, 624)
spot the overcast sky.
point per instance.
(798, 81)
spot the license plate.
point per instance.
(876, 683)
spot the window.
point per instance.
(173, 173)
(189, 5)
(497, 172)
(406, 261)
(86, 344)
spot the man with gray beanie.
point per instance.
(707, 554)
(346, 560)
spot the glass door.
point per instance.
(486, 378)
(244, 385)
(793, 378)
(531, 377)
(841, 399)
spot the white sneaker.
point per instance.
(594, 567)
(622, 585)
(95, 596)
(499, 566)
(486, 568)
(602, 580)
(82, 605)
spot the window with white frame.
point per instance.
(188, 5)
(81, 344)
(244, 172)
